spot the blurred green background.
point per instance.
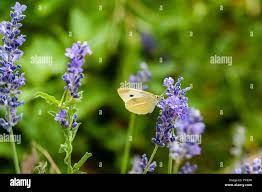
(122, 34)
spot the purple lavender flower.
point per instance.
(11, 78)
(74, 75)
(136, 166)
(61, 117)
(72, 78)
(187, 168)
(139, 165)
(148, 42)
(184, 150)
(176, 99)
(74, 123)
(246, 168)
(257, 165)
(189, 126)
(144, 162)
(164, 128)
(142, 76)
(18, 8)
(78, 51)
(173, 104)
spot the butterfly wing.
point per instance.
(138, 101)
(127, 93)
(141, 105)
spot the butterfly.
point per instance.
(138, 101)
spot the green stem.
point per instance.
(130, 131)
(170, 160)
(69, 151)
(176, 166)
(69, 139)
(69, 166)
(151, 159)
(170, 164)
(16, 162)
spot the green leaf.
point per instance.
(81, 162)
(62, 148)
(52, 113)
(51, 100)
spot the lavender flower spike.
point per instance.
(139, 165)
(191, 126)
(188, 169)
(173, 105)
(246, 168)
(11, 77)
(73, 78)
(74, 74)
(142, 76)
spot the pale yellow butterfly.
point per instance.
(138, 101)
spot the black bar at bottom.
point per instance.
(221, 182)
